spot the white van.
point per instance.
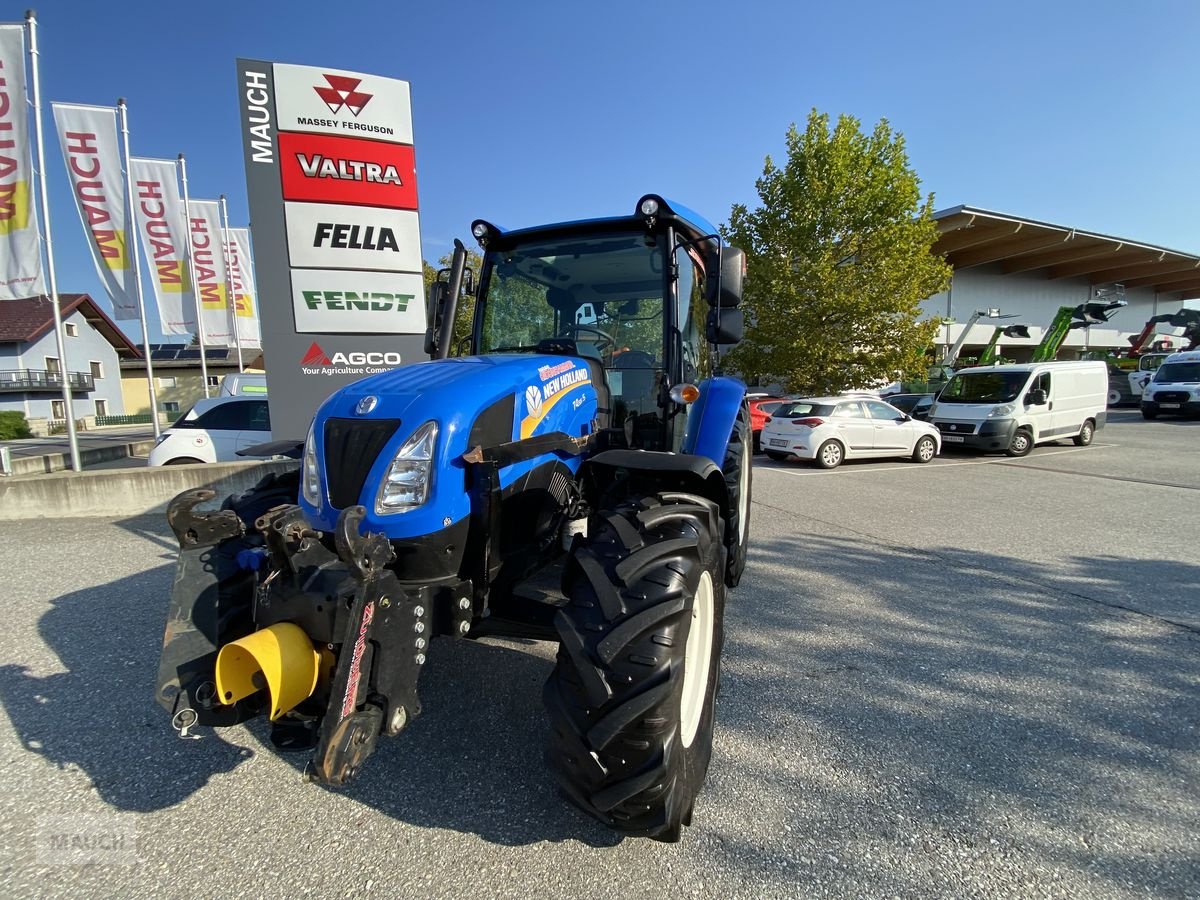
(1012, 408)
(1175, 389)
(239, 383)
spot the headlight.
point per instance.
(1001, 411)
(311, 482)
(406, 485)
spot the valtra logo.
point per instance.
(343, 91)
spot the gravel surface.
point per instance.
(975, 678)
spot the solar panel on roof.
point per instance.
(188, 354)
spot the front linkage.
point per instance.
(332, 634)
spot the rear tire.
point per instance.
(275, 489)
(1021, 443)
(631, 699)
(184, 461)
(737, 468)
(830, 455)
(758, 442)
(925, 450)
(1086, 433)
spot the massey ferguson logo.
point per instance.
(356, 362)
(343, 91)
(318, 166)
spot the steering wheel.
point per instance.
(605, 340)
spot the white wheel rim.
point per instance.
(926, 450)
(831, 455)
(697, 657)
(744, 500)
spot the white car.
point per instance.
(829, 430)
(213, 431)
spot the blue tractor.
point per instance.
(583, 477)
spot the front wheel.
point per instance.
(1149, 414)
(1021, 443)
(925, 450)
(829, 455)
(631, 699)
(1086, 433)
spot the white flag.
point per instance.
(88, 135)
(245, 294)
(209, 262)
(163, 229)
(20, 251)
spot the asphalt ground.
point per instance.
(974, 678)
(60, 443)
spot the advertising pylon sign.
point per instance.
(20, 254)
(331, 181)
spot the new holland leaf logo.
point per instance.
(316, 357)
(342, 91)
(533, 400)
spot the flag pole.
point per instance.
(237, 334)
(137, 269)
(65, 374)
(187, 214)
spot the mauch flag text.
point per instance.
(245, 296)
(88, 136)
(162, 226)
(209, 262)
(20, 251)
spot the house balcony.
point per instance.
(44, 381)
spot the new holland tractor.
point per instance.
(583, 477)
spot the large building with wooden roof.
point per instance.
(1030, 269)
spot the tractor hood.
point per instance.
(474, 401)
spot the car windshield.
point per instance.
(802, 408)
(983, 387)
(1178, 373)
(605, 292)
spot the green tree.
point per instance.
(838, 261)
(466, 303)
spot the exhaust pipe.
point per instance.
(279, 659)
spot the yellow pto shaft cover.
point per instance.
(279, 659)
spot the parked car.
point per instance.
(916, 405)
(761, 407)
(829, 430)
(213, 431)
(1175, 388)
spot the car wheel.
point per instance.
(183, 461)
(925, 450)
(757, 442)
(1021, 443)
(830, 454)
(776, 455)
(1086, 433)
(1114, 397)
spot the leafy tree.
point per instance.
(13, 426)
(838, 261)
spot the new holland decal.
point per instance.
(557, 381)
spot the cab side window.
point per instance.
(1041, 383)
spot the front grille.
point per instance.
(956, 427)
(1171, 397)
(351, 446)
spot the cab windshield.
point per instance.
(1178, 373)
(983, 387)
(604, 292)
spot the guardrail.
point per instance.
(44, 380)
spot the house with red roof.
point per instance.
(32, 371)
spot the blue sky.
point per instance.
(1079, 113)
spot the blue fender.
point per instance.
(712, 416)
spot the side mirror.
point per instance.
(1036, 397)
(437, 307)
(732, 266)
(725, 326)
